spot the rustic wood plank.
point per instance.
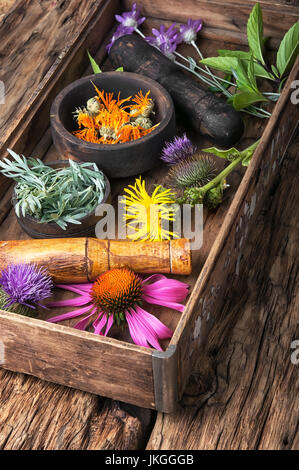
(71, 28)
(243, 393)
(224, 259)
(85, 361)
(37, 415)
(5, 7)
(229, 17)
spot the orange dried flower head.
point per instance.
(143, 105)
(111, 120)
(117, 290)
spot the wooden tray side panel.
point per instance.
(81, 360)
(224, 260)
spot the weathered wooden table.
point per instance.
(244, 396)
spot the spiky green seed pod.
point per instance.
(194, 171)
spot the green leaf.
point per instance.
(248, 155)
(119, 69)
(251, 74)
(94, 65)
(261, 72)
(226, 64)
(245, 98)
(241, 75)
(230, 154)
(288, 50)
(255, 32)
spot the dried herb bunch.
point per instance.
(64, 195)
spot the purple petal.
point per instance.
(109, 324)
(161, 330)
(164, 291)
(99, 323)
(141, 332)
(77, 302)
(82, 324)
(164, 303)
(73, 314)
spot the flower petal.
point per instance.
(164, 289)
(141, 333)
(77, 302)
(109, 324)
(82, 324)
(162, 331)
(164, 303)
(73, 314)
(99, 323)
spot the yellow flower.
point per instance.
(146, 213)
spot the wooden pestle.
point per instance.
(75, 260)
(203, 111)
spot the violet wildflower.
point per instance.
(189, 30)
(131, 19)
(115, 297)
(178, 149)
(120, 31)
(166, 40)
(24, 284)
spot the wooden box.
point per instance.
(113, 367)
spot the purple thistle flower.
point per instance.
(25, 284)
(120, 31)
(131, 19)
(166, 40)
(189, 30)
(178, 149)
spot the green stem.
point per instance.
(224, 173)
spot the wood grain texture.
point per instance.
(241, 396)
(243, 390)
(37, 415)
(62, 30)
(75, 260)
(78, 359)
(225, 256)
(229, 17)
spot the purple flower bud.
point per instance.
(120, 31)
(189, 31)
(25, 284)
(178, 149)
(166, 40)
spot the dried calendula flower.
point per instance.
(110, 120)
(93, 106)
